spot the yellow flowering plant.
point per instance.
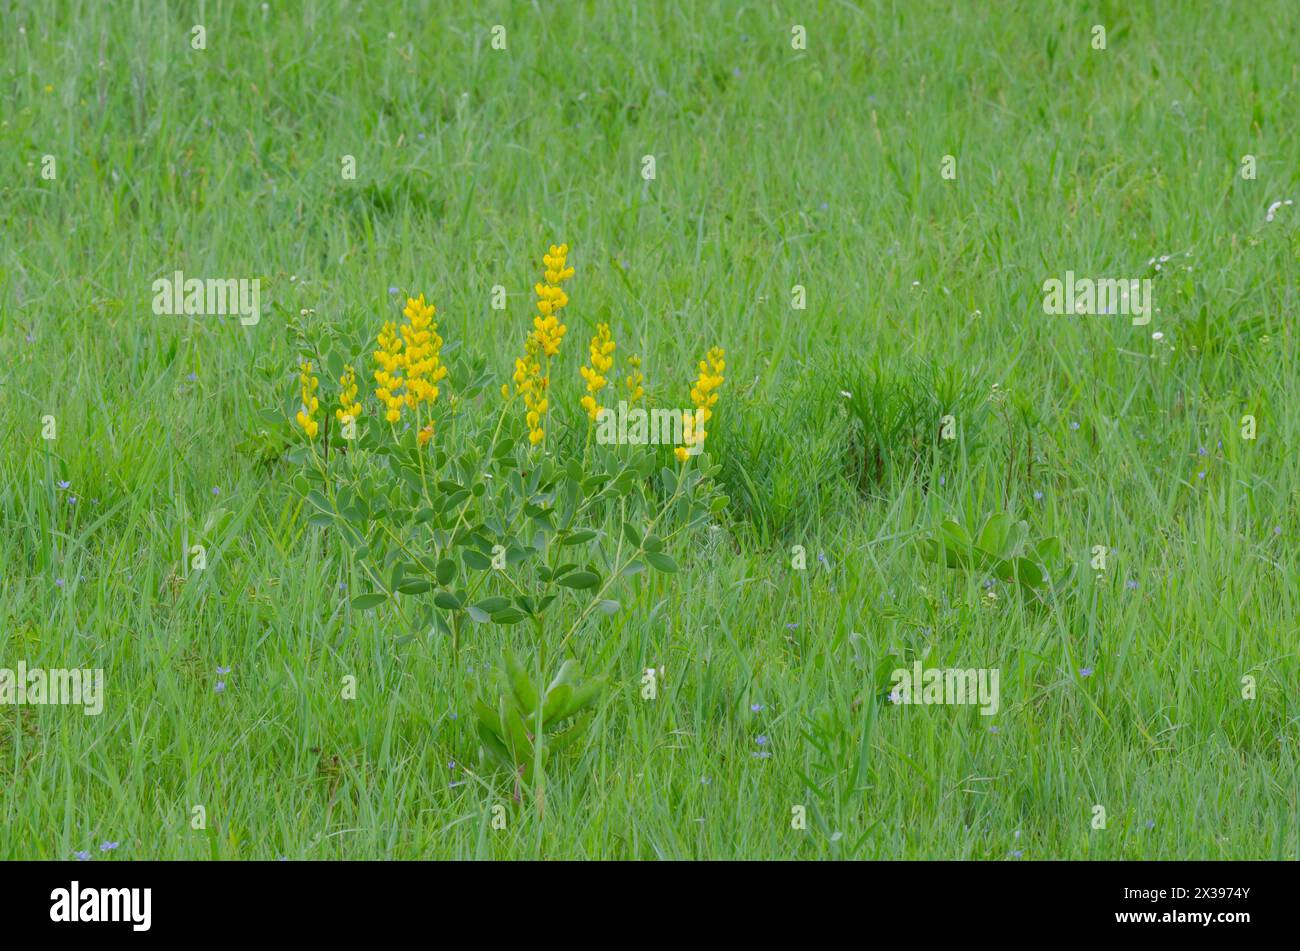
(458, 519)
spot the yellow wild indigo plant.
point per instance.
(483, 529)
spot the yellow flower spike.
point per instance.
(634, 379)
(387, 380)
(704, 395)
(307, 384)
(425, 434)
(601, 350)
(415, 350)
(348, 405)
(542, 343)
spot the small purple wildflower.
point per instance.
(83, 856)
(107, 846)
(192, 377)
(1131, 584)
(1074, 425)
(223, 670)
(392, 290)
(31, 338)
(1038, 496)
(761, 741)
(792, 626)
(1085, 671)
(755, 707)
(72, 500)
(1277, 529)
(221, 686)
(1201, 474)
(63, 484)
(58, 582)
(994, 729)
(216, 490)
(1017, 853)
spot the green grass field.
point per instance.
(775, 168)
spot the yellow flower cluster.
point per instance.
(423, 356)
(306, 415)
(704, 395)
(533, 384)
(634, 380)
(417, 353)
(387, 377)
(551, 299)
(602, 360)
(348, 405)
(543, 342)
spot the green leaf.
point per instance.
(364, 602)
(557, 699)
(1020, 570)
(669, 480)
(334, 364)
(583, 697)
(445, 571)
(477, 614)
(487, 717)
(631, 534)
(493, 605)
(568, 673)
(580, 536)
(520, 683)
(580, 580)
(661, 561)
(414, 586)
(508, 616)
(994, 534)
(654, 543)
(475, 560)
(447, 601)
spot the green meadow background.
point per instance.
(775, 167)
